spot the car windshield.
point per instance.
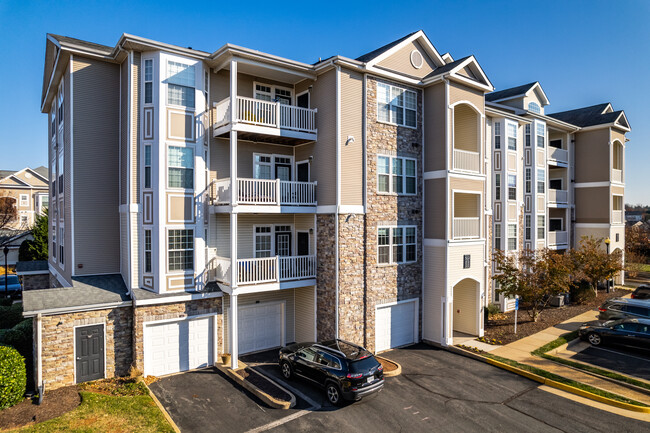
(363, 365)
(611, 323)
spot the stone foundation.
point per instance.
(36, 281)
(326, 277)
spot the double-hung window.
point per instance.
(497, 185)
(180, 249)
(529, 180)
(512, 136)
(396, 105)
(396, 244)
(512, 237)
(541, 226)
(180, 84)
(54, 243)
(61, 247)
(527, 226)
(497, 236)
(528, 135)
(59, 113)
(24, 200)
(262, 166)
(263, 241)
(396, 175)
(512, 187)
(147, 166)
(541, 183)
(148, 81)
(497, 135)
(60, 172)
(180, 172)
(541, 132)
(147, 250)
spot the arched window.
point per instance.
(534, 107)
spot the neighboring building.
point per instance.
(237, 201)
(12, 240)
(632, 216)
(28, 188)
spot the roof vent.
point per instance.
(416, 59)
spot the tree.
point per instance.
(591, 262)
(533, 276)
(36, 249)
(8, 212)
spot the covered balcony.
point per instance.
(558, 235)
(264, 270)
(466, 222)
(557, 153)
(294, 196)
(617, 163)
(618, 216)
(557, 196)
(466, 139)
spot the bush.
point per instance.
(13, 377)
(492, 309)
(581, 292)
(19, 337)
(6, 301)
(11, 315)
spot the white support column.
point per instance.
(234, 193)
(233, 251)
(234, 349)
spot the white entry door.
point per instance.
(395, 325)
(261, 326)
(178, 346)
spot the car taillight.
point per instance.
(602, 309)
(380, 368)
(633, 296)
(354, 375)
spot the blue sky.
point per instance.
(582, 52)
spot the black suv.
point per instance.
(345, 370)
(641, 292)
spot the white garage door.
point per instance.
(395, 325)
(178, 346)
(260, 327)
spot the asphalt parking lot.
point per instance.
(437, 391)
(634, 362)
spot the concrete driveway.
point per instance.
(437, 391)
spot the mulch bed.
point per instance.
(253, 377)
(503, 328)
(118, 386)
(387, 364)
(55, 404)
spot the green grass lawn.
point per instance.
(642, 267)
(107, 413)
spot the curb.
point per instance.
(271, 401)
(552, 383)
(393, 373)
(161, 407)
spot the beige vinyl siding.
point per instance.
(323, 168)
(466, 184)
(135, 128)
(592, 156)
(96, 165)
(220, 235)
(351, 125)
(541, 158)
(219, 158)
(434, 132)
(618, 190)
(512, 161)
(302, 153)
(245, 151)
(434, 208)
(246, 82)
(124, 130)
(466, 205)
(401, 61)
(598, 233)
(305, 314)
(592, 205)
(459, 92)
(32, 180)
(303, 85)
(434, 277)
(466, 128)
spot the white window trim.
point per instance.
(179, 271)
(145, 81)
(403, 108)
(167, 167)
(390, 175)
(508, 237)
(308, 97)
(390, 245)
(550, 179)
(24, 199)
(537, 227)
(144, 252)
(557, 219)
(272, 164)
(293, 232)
(508, 187)
(183, 62)
(273, 87)
(508, 136)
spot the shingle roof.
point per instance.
(5, 173)
(448, 67)
(32, 266)
(587, 116)
(42, 170)
(7, 236)
(374, 53)
(143, 294)
(508, 93)
(90, 45)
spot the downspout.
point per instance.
(39, 352)
(338, 194)
(365, 210)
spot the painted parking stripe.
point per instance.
(621, 353)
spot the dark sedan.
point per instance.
(346, 371)
(626, 332)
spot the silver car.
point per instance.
(620, 308)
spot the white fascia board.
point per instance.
(64, 310)
(180, 298)
(428, 46)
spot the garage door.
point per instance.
(260, 327)
(395, 325)
(177, 346)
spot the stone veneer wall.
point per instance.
(352, 288)
(325, 277)
(58, 335)
(173, 311)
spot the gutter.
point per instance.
(64, 310)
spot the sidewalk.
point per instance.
(520, 351)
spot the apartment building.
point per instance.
(556, 177)
(236, 201)
(28, 189)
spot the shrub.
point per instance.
(19, 337)
(492, 309)
(13, 377)
(581, 292)
(5, 301)
(11, 315)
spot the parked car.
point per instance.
(627, 332)
(13, 285)
(621, 308)
(346, 371)
(641, 292)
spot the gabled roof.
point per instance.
(66, 40)
(454, 69)
(519, 91)
(381, 50)
(42, 170)
(6, 173)
(598, 114)
(448, 67)
(381, 53)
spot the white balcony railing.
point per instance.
(559, 155)
(617, 175)
(466, 160)
(259, 270)
(617, 216)
(558, 238)
(266, 113)
(265, 192)
(297, 267)
(558, 196)
(265, 269)
(466, 228)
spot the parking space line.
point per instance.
(279, 422)
(621, 353)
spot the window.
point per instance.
(512, 136)
(266, 92)
(497, 236)
(618, 237)
(147, 166)
(534, 107)
(527, 135)
(401, 170)
(497, 135)
(180, 167)
(147, 250)
(541, 226)
(263, 92)
(59, 113)
(263, 241)
(541, 184)
(529, 180)
(512, 237)
(148, 81)
(23, 220)
(527, 226)
(541, 130)
(262, 166)
(24, 200)
(53, 122)
(54, 243)
(180, 84)
(61, 241)
(512, 187)
(180, 250)
(396, 105)
(497, 184)
(396, 244)
(60, 172)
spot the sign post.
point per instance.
(516, 309)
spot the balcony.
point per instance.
(558, 156)
(265, 270)
(617, 216)
(466, 228)
(300, 196)
(558, 239)
(617, 175)
(288, 124)
(558, 197)
(466, 161)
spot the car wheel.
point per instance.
(286, 370)
(333, 394)
(594, 339)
